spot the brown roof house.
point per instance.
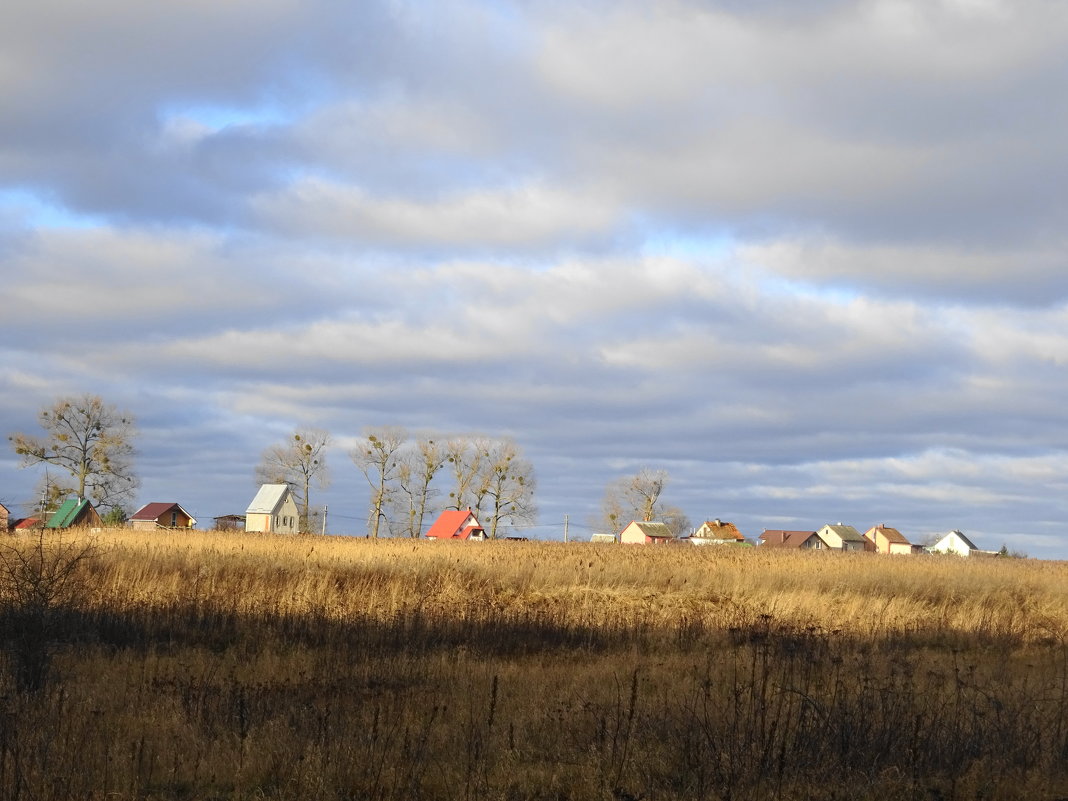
(273, 511)
(888, 540)
(716, 532)
(841, 537)
(783, 538)
(162, 515)
(73, 513)
(456, 524)
(646, 532)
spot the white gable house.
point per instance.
(273, 510)
(956, 543)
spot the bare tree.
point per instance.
(465, 456)
(677, 521)
(416, 469)
(634, 497)
(377, 457)
(298, 462)
(90, 440)
(507, 485)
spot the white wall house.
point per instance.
(273, 510)
(956, 543)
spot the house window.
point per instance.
(174, 519)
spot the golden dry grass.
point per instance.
(222, 665)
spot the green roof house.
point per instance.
(74, 512)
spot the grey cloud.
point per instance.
(455, 218)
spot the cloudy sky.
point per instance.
(808, 256)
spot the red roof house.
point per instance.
(162, 515)
(455, 524)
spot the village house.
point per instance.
(716, 532)
(841, 537)
(273, 510)
(73, 513)
(646, 532)
(456, 524)
(161, 515)
(887, 540)
(955, 543)
(5, 518)
(783, 538)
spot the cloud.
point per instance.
(807, 256)
(524, 217)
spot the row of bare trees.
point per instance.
(411, 478)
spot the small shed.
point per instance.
(230, 523)
(162, 515)
(646, 532)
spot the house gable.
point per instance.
(955, 543)
(887, 540)
(456, 524)
(717, 531)
(74, 512)
(162, 515)
(272, 510)
(842, 537)
(645, 532)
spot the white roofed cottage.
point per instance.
(273, 510)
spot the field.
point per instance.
(212, 665)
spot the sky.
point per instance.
(807, 256)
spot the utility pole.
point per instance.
(325, 510)
(565, 528)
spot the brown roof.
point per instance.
(151, 511)
(653, 529)
(781, 538)
(718, 530)
(891, 534)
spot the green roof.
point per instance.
(67, 513)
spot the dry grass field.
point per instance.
(219, 665)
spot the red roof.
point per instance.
(27, 522)
(455, 524)
(151, 511)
